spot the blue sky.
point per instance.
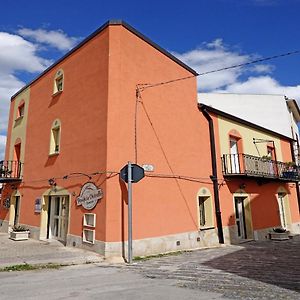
(206, 34)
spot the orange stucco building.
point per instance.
(74, 127)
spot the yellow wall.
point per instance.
(12, 209)
(19, 124)
(247, 133)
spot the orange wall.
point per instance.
(82, 110)
(176, 140)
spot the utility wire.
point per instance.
(145, 86)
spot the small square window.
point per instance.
(88, 236)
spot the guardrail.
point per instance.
(249, 165)
(10, 170)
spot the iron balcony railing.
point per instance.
(10, 170)
(254, 166)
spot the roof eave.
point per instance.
(202, 106)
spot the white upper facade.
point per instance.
(269, 111)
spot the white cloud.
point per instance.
(16, 54)
(216, 55)
(57, 39)
(263, 85)
(262, 68)
(2, 145)
(19, 55)
(251, 79)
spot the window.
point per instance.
(271, 152)
(202, 211)
(21, 110)
(205, 209)
(58, 82)
(55, 137)
(88, 236)
(89, 220)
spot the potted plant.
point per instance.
(290, 170)
(266, 158)
(19, 233)
(279, 234)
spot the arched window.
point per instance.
(55, 137)
(205, 209)
(17, 150)
(58, 82)
(21, 109)
(235, 150)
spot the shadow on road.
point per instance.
(272, 262)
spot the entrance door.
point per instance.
(282, 213)
(59, 215)
(240, 217)
(17, 210)
(234, 157)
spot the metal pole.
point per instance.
(129, 213)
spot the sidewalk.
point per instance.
(42, 252)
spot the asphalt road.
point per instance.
(255, 270)
(93, 281)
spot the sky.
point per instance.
(205, 34)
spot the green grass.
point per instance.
(28, 267)
(141, 258)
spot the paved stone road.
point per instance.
(255, 270)
(41, 252)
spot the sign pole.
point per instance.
(129, 213)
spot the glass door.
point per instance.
(59, 217)
(234, 157)
(240, 217)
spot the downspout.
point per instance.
(297, 183)
(214, 176)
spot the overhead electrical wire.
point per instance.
(144, 86)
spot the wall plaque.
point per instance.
(89, 196)
(38, 205)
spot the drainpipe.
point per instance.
(214, 176)
(297, 183)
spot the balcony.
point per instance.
(10, 171)
(244, 165)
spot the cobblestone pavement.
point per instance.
(254, 270)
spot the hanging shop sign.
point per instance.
(38, 205)
(6, 203)
(89, 196)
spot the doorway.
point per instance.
(17, 210)
(234, 156)
(58, 218)
(240, 217)
(282, 209)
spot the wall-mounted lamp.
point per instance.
(242, 186)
